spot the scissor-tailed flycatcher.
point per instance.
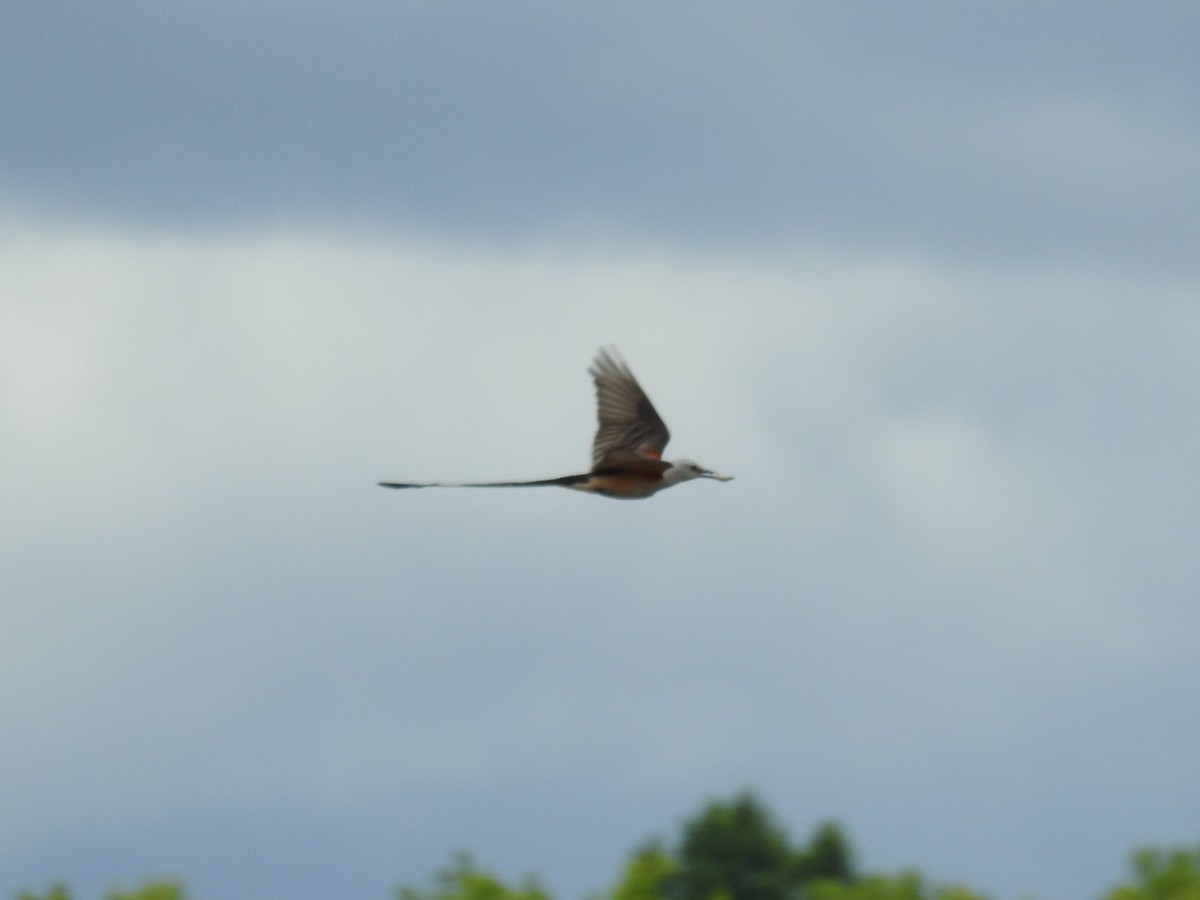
(627, 451)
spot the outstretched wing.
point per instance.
(628, 421)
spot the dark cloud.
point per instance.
(936, 127)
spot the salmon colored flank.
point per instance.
(627, 450)
(626, 486)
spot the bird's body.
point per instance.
(627, 451)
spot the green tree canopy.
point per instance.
(154, 890)
(827, 856)
(151, 890)
(905, 886)
(463, 881)
(58, 891)
(646, 875)
(734, 850)
(1162, 875)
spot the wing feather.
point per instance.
(628, 422)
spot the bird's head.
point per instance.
(685, 470)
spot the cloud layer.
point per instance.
(1059, 135)
(923, 278)
(954, 565)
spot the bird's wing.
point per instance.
(628, 420)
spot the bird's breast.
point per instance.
(621, 486)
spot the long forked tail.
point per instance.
(563, 481)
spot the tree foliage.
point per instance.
(736, 850)
(905, 886)
(155, 890)
(827, 856)
(57, 891)
(647, 875)
(151, 890)
(1162, 875)
(461, 880)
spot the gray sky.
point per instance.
(923, 277)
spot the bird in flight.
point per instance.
(627, 451)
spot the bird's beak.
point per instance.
(705, 473)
